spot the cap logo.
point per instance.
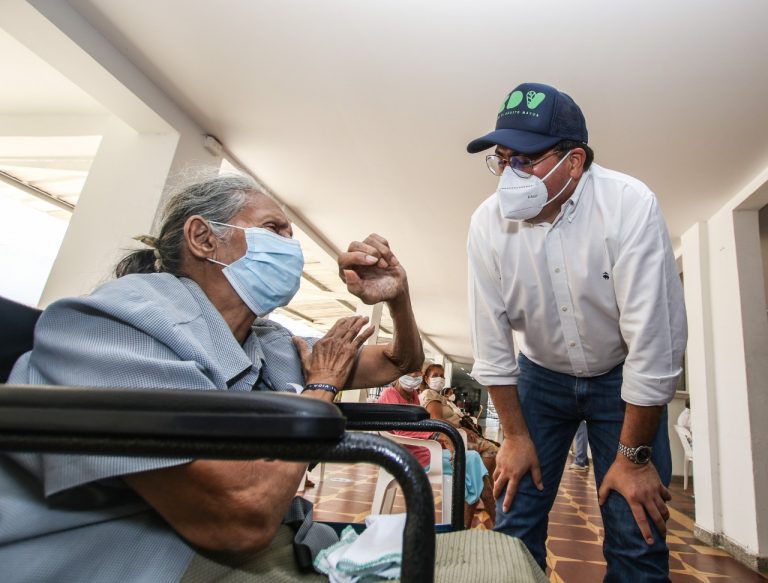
(515, 99)
(534, 99)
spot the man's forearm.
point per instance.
(640, 425)
(507, 405)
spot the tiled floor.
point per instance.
(575, 532)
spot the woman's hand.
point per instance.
(334, 356)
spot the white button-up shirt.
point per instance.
(596, 287)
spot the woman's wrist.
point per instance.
(326, 387)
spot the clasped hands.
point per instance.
(373, 274)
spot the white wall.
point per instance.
(728, 371)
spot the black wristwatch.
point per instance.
(640, 455)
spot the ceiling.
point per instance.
(56, 165)
(357, 114)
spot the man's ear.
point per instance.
(200, 239)
(576, 160)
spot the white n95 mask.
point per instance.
(524, 198)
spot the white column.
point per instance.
(728, 364)
(118, 201)
(700, 372)
(374, 315)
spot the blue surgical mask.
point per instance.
(269, 274)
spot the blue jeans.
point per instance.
(553, 405)
(580, 457)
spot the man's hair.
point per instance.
(566, 145)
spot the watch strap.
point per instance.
(631, 453)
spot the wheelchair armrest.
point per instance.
(214, 425)
(366, 412)
(46, 410)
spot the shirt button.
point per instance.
(571, 344)
(564, 308)
(557, 270)
(578, 372)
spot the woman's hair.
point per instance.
(432, 367)
(219, 199)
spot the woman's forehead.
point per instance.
(261, 207)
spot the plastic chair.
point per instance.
(686, 440)
(384, 495)
(381, 417)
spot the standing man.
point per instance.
(577, 314)
(580, 459)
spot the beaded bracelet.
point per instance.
(321, 387)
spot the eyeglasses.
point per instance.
(496, 164)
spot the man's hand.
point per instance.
(333, 356)
(516, 458)
(641, 487)
(371, 271)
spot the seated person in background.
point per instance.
(477, 483)
(467, 421)
(438, 407)
(450, 396)
(186, 314)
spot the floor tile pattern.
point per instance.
(574, 545)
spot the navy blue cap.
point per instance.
(533, 118)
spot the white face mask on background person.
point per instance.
(436, 383)
(521, 198)
(409, 383)
(452, 398)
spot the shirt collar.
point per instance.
(570, 206)
(232, 358)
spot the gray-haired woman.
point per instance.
(185, 314)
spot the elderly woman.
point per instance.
(440, 408)
(186, 313)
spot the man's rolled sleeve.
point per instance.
(650, 300)
(647, 391)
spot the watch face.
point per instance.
(643, 454)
